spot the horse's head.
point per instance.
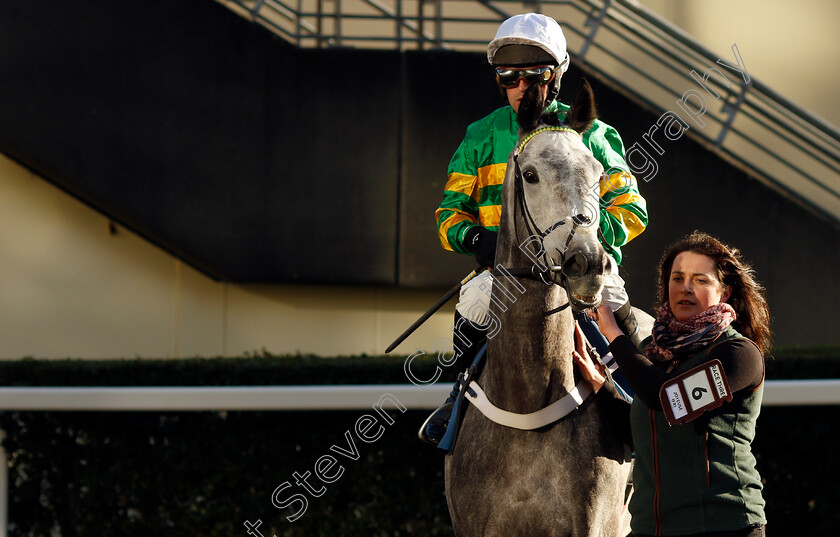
(552, 198)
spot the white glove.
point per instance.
(614, 293)
(474, 302)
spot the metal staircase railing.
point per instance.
(644, 56)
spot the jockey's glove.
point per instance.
(482, 242)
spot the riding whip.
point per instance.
(443, 300)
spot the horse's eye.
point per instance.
(530, 176)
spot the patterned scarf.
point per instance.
(671, 336)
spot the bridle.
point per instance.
(533, 229)
(575, 397)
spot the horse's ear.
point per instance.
(582, 113)
(530, 108)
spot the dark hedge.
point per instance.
(207, 473)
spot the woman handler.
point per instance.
(699, 384)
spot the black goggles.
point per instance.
(509, 78)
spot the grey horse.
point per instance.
(567, 478)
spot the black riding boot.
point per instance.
(434, 427)
(626, 320)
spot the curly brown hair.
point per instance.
(747, 298)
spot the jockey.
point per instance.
(528, 49)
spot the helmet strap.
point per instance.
(554, 88)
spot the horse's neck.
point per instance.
(529, 362)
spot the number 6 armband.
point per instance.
(698, 390)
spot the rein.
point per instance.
(531, 273)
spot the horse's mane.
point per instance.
(580, 117)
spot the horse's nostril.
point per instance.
(581, 219)
(575, 265)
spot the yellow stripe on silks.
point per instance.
(622, 200)
(615, 181)
(492, 174)
(629, 220)
(490, 215)
(461, 183)
(448, 223)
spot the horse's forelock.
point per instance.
(551, 120)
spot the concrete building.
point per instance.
(77, 282)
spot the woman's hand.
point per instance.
(592, 373)
(606, 322)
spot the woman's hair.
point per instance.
(747, 298)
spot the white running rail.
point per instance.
(291, 398)
(348, 397)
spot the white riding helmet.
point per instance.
(529, 39)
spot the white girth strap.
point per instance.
(527, 422)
